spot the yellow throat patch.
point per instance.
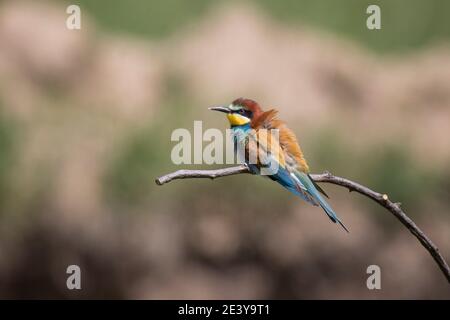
(237, 120)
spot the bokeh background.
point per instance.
(85, 124)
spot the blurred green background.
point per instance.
(412, 24)
(85, 125)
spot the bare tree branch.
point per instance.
(381, 199)
(211, 174)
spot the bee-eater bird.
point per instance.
(247, 121)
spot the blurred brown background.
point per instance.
(85, 124)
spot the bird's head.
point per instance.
(240, 112)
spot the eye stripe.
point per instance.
(240, 110)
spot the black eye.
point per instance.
(241, 111)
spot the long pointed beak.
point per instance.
(220, 108)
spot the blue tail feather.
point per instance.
(302, 186)
(312, 190)
(284, 178)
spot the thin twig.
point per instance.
(211, 174)
(381, 199)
